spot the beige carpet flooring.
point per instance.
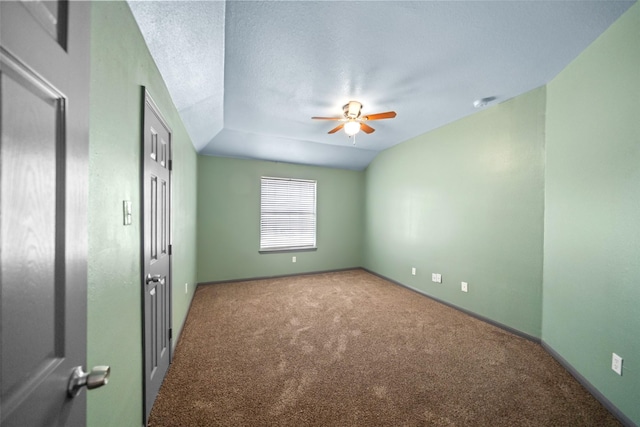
(351, 349)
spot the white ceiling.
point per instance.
(246, 76)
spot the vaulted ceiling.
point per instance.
(247, 76)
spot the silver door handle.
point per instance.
(98, 377)
(156, 278)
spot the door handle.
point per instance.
(156, 278)
(98, 377)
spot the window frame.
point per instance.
(290, 247)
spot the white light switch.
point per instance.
(127, 212)
(293, 259)
(464, 286)
(413, 271)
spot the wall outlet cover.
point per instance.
(293, 259)
(413, 271)
(616, 363)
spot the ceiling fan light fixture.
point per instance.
(351, 128)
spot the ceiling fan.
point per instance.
(354, 120)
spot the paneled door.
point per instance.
(156, 283)
(44, 127)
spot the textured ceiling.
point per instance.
(246, 76)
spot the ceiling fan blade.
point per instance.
(336, 129)
(366, 128)
(327, 118)
(380, 116)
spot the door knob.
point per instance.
(156, 278)
(98, 377)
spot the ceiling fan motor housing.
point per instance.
(352, 110)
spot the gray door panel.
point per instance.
(156, 250)
(44, 94)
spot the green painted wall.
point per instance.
(471, 200)
(592, 217)
(466, 201)
(229, 219)
(120, 65)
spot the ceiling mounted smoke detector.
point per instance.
(483, 102)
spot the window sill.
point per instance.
(286, 250)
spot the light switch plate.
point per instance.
(127, 212)
(464, 286)
(413, 271)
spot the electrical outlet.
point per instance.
(413, 271)
(464, 286)
(616, 363)
(293, 259)
(186, 288)
(436, 277)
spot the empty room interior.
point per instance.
(506, 185)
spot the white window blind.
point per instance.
(287, 214)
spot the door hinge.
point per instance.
(170, 333)
(170, 165)
(170, 249)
